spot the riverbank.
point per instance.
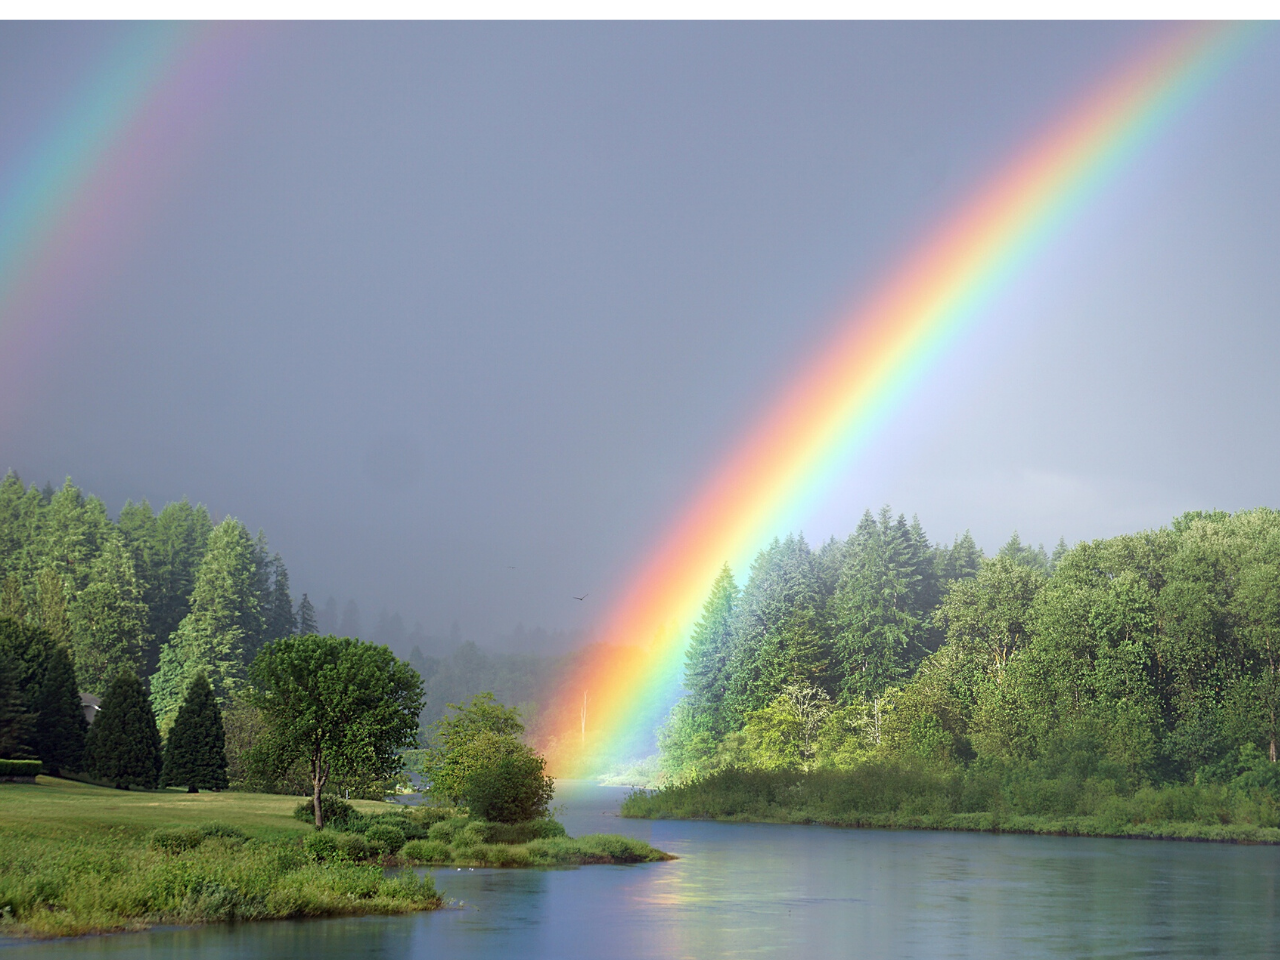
(78, 859)
(893, 797)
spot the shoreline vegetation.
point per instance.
(78, 859)
(925, 797)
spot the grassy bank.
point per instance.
(901, 796)
(77, 859)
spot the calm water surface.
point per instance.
(760, 890)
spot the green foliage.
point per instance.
(195, 751)
(17, 725)
(123, 745)
(20, 768)
(343, 706)
(223, 627)
(450, 756)
(1118, 669)
(108, 618)
(60, 724)
(334, 810)
(306, 617)
(385, 838)
(506, 781)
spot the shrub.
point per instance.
(430, 815)
(522, 832)
(222, 830)
(353, 846)
(385, 837)
(336, 812)
(426, 851)
(446, 831)
(20, 768)
(321, 846)
(510, 784)
(176, 839)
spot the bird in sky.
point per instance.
(583, 597)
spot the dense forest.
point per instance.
(1143, 659)
(167, 595)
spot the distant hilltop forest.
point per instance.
(1146, 658)
(169, 594)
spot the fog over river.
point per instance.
(763, 890)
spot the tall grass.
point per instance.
(888, 793)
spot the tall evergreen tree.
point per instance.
(879, 626)
(174, 548)
(72, 533)
(278, 614)
(1034, 558)
(27, 649)
(51, 605)
(17, 725)
(109, 619)
(12, 604)
(60, 723)
(962, 561)
(123, 745)
(307, 617)
(707, 656)
(225, 618)
(777, 633)
(195, 754)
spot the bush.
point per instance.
(428, 816)
(334, 811)
(385, 837)
(353, 846)
(522, 832)
(510, 785)
(446, 831)
(20, 768)
(321, 846)
(426, 851)
(222, 830)
(176, 839)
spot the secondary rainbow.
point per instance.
(815, 430)
(91, 179)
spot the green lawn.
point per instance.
(77, 858)
(54, 808)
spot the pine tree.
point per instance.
(12, 604)
(72, 534)
(60, 723)
(195, 754)
(17, 725)
(1059, 552)
(224, 621)
(174, 548)
(307, 617)
(123, 745)
(962, 561)
(109, 618)
(707, 655)
(51, 605)
(279, 616)
(27, 649)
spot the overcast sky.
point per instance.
(433, 302)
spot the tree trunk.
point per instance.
(318, 777)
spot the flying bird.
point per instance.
(583, 597)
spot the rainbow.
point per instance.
(609, 706)
(86, 185)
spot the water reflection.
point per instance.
(744, 890)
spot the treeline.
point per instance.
(166, 596)
(1143, 659)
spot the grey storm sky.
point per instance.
(433, 302)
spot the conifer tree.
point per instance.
(195, 754)
(123, 745)
(60, 723)
(109, 618)
(307, 617)
(51, 606)
(27, 650)
(962, 561)
(12, 604)
(220, 630)
(16, 723)
(279, 617)
(72, 532)
(174, 548)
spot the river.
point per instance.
(770, 891)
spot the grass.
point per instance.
(918, 797)
(77, 859)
